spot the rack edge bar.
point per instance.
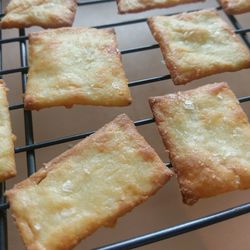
(178, 229)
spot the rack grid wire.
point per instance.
(30, 146)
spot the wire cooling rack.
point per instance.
(30, 146)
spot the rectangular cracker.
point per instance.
(44, 13)
(7, 157)
(207, 135)
(132, 6)
(235, 6)
(75, 66)
(198, 44)
(92, 184)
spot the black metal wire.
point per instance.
(30, 146)
(140, 20)
(240, 31)
(244, 99)
(178, 229)
(16, 106)
(13, 39)
(237, 25)
(93, 2)
(20, 38)
(70, 138)
(137, 83)
(21, 69)
(83, 135)
(30, 154)
(3, 206)
(131, 84)
(24, 69)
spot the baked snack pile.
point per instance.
(235, 6)
(7, 158)
(44, 13)
(207, 135)
(131, 6)
(100, 179)
(75, 66)
(198, 44)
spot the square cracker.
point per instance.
(44, 13)
(92, 184)
(7, 157)
(131, 6)
(207, 135)
(198, 44)
(235, 6)
(75, 66)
